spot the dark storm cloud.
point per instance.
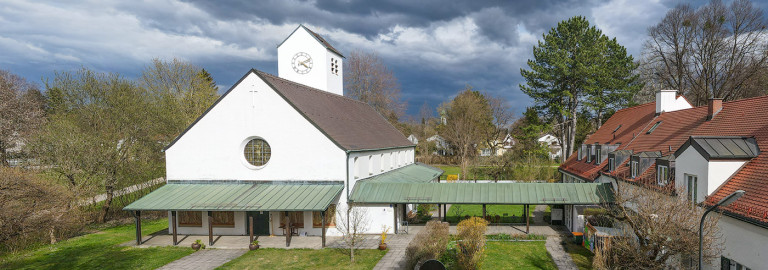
(434, 47)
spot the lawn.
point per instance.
(460, 210)
(580, 255)
(270, 258)
(99, 250)
(517, 255)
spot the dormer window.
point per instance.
(634, 168)
(611, 164)
(598, 156)
(662, 175)
(653, 127)
(589, 154)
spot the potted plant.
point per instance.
(383, 242)
(254, 245)
(197, 245)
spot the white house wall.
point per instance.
(744, 243)
(238, 229)
(213, 148)
(711, 174)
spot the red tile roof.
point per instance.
(747, 117)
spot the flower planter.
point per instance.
(196, 246)
(253, 247)
(382, 246)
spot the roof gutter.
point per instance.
(378, 149)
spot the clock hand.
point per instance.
(305, 65)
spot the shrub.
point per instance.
(34, 211)
(428, 244)
(471, 233)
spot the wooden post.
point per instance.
(210, 228)
(527, 226)
(250, 221)
(287, 229)
(322, 226)
(483, 211)
(394, 210)
(138, 227)
(173, 221)
(445, 212)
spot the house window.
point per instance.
(330, 217)
(693, 187)
(257, 152)
(297, 219)
(223, 219)
(190, 219)
(653, 127)
(729, 264)
(611, 164)
(634, 168)
(662, 175)
(598, 156)
(356, 168)
(589, 154)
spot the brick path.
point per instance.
(395, 257)
(205, 259)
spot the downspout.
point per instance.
(346, 161)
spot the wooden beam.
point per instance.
(137, 215)
(210, 228)
(250, 221)
(394, 210)
(173, 221)
(527, 226)
(322, 226)
(483, 211)
(445, 212)
(287, 229)
(439, 211)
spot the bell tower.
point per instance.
(307, 58)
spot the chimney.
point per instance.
(714, 107)
(666, 101)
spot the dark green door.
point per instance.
(260, 222)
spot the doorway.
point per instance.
(260, 222)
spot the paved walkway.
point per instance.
(395, 257)
(205, 259)
(562, 259)
(538, 215)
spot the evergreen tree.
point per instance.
(574, 66)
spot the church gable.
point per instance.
(213, 147)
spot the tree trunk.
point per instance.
(3, 155)
(572, 131)
(110, 189)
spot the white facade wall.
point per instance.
(668, 101)
(212, 149)
(711, 174)
(239, 228)
(744, 243)
(319, 76)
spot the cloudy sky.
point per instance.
(435, 48)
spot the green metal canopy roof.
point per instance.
(413, 173)
(258, 196)
(482, 193)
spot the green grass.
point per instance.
(270, 258)
(517, 255)
(99, 250)
(476, 210)
(449, 170)
(580, 255)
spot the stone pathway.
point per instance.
(538, 214)
(395, 257)
(562, 259)
(205, 259)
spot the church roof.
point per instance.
(350, 124)
(317, 37)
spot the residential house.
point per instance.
(553, 143)
(441, 145)
(702, 153)
(413, 139)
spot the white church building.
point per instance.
(282, 152)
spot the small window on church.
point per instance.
(335, 66)
(257, 152)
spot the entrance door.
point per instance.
(260, 222)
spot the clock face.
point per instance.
(302, 63)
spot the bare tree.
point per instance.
(713, 51)
(661, 231)
(468, 118)
(353, 222)
(21, 112)
(502, 119)
(367, 79)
